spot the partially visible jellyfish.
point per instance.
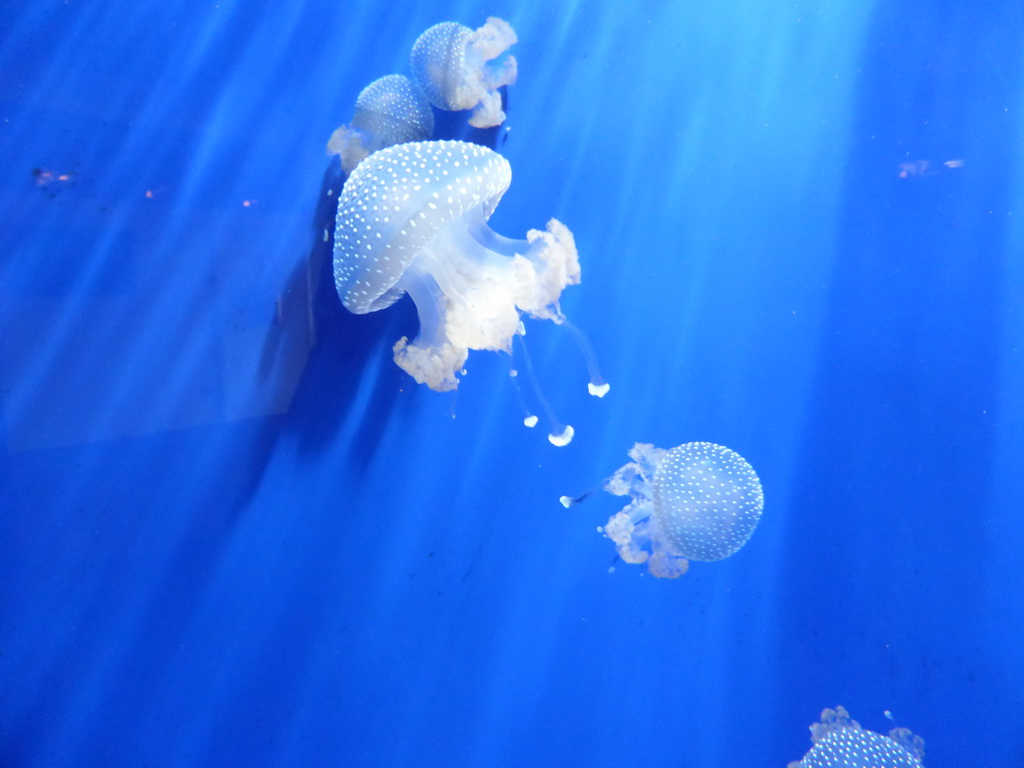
(390, 110)
(840, 742)
(454, 66)
(698, 501)
(412, 218)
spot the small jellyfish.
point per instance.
(454, 66)
(390, 110)
(412, 218)
(840, 742)
(698, 501)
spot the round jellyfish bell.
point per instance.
(412, 218)
(698, 501)
(390, 110)
(840, 742)
(453, 64)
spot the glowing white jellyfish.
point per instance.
(390, 110)
(840, 742)
(459, 68)
(412, 218)
(698, 501)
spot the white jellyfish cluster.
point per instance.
(412, 219)
(697, 501)
(840, 742)
(453, 68)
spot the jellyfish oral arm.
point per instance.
(479, 89)
(634, 478)
(469, 294)
(628, 528)
(493, 39)
(350, 144)
(431, 359)
(633, 529)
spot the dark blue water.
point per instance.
(233, 532)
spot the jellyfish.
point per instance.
(412, 219)
(454, 66)
(390, 110)
(840, 742)
(698, 501)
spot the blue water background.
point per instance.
(232, 532)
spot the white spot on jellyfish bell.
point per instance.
(840, 742)
(698, 501)
(459, 68)
(390, 110)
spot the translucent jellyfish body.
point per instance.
(840, 742)
(459, 68)
(698, 501)
(390, 110)
(412, 218)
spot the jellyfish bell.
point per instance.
(460, 68)
(698, 501)
(840, 742)
(412, 219)
(391, 110)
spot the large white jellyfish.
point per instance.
(840, 742)
(390, 110)
(698, 501)
(412, 218)
(454, 65)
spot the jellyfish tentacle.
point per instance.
(597, 386)
(560, 435)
